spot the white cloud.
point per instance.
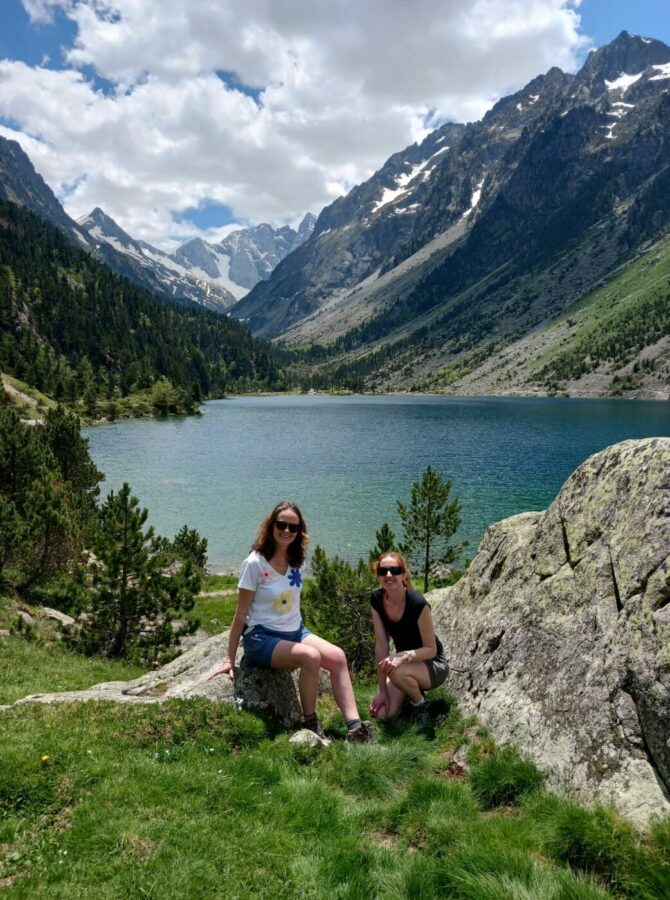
(341, 85)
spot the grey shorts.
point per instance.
(438, 669)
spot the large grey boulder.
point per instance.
(271, 693)
(559, 634)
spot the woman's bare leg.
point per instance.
(334, 661)
(288, 655)
(412, 679)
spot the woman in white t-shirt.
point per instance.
(268, 620)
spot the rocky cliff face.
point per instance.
(559, 635)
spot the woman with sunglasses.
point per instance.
(268, 620)
(418, 662)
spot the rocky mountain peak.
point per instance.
(101, 226)
(21, 184)
(627, 55)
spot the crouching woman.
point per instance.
(418, 663)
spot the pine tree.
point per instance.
(336, 603)
(131, 598)
(429, 522)
(385, 542)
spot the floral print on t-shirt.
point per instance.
(284, 603)
(295, 578)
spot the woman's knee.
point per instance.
(335, 660)
(309, 657)
(397, 677)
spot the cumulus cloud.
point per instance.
(270, 109)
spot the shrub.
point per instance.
(336, 603)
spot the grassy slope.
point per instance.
(31, 403)
(615, 319)
(191, 799)
(610, 312)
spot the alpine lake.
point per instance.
(346, 460)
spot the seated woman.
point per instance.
(418, 663)
(268, 620)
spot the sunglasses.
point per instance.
(287, 526)
(391, 570)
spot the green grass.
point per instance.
(42, 665)
(219, 583)
(216, 613)
(36, 404)
(191, 799)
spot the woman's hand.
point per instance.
(226, 668)
(378, 706)
(390, 663)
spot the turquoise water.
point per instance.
(346, 460)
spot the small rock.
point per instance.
(307, 738)
(58, 616)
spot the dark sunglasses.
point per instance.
(287, 526)
(392, 570)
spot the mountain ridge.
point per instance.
(566, 176)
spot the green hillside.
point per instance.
(82, 335)
(611, 327)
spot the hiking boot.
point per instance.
(312, 724)
(362, 734)
(420, 716)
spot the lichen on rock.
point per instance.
(559, 634)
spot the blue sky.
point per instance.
(180, 123)
(603, 20)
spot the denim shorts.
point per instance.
(259, 642)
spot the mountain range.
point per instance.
(525, 253)
(214, 276)
(464, 248)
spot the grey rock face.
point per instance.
(255, 252)
(559, 635)
(57, 616)
(271, 693)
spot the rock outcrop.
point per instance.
(559, 634)
(272, 693)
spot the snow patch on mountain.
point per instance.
(664, 72)
(405, 179)
(623, 82)
(476, 195)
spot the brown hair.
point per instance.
(400, 561)
(265, 542)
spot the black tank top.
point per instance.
(405, 632)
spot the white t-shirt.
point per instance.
(276, 602)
